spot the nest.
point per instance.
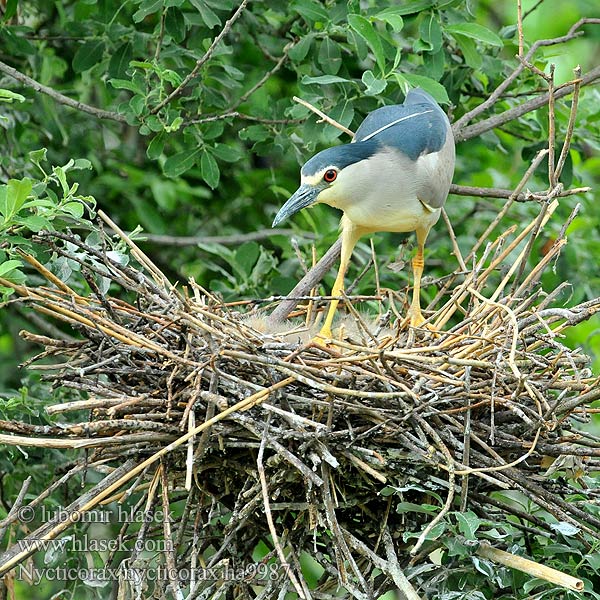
(350, 455)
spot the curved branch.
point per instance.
(465, 133)
(62, 99)
(495, 95)
(202, 60)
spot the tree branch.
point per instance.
(225, 240)
(202, 60)
(465, 133)
(38, 87)
(495, 95)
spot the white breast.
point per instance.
(381, 193)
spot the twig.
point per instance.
(529, 566)
(528, 196)
(312, 278)
(460, 129)
(225, 240)
(13, 513)
(62, 99)
(169, 547)
(462, 133)
(520, 25)
(265, 494)
(571, 125)
(323, 116)
(202, 60)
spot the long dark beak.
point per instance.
(304, 196)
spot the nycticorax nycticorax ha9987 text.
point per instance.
(394, 176)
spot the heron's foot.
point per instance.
(323, 338)
(415, 318)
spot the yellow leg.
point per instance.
(350, 235)
(415, 316)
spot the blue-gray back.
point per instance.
(418, 126)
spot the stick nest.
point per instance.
(333, 453)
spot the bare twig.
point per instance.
(225, 240)
(530, 567)
(202, 60)
(324, 118)
(571, 125)
(61, 98)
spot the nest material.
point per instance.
(331, 446)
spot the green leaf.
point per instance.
(125, 84)
(119, 61)
(209, 17)
(156, 146)
(175, 24)
(226, 152)
(374, 86)
(210, 170)
(468, 47)
(36, 223)
(299, 51)
(392, 16)
(310, 10)
(330, 56)
(8, 266)
(437, 90)
(81, 164)
(468, 524)
(16, 194)
(180, 163)
(88, 55)
(476, 32)
(365, 29)
(75, 209)
(430, 34)
(10, 10)
(147, 7)
(413, 6)
(566, 529)
(38, 156)
(434, 64)
(483, 566)
(245, 257)
(8, 96)
(323, 80)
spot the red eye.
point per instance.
(330, 175)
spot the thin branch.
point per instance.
(202, 60)
(269, 515)
(60, 98)
(520, 25)
(462, 133)
(571, 125)
(532, 9)
(309, 281)
(323, 116)
(234, 114)
(484, 192)
(460, 125)
(266, 76)
(225, 240)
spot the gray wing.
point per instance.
(417, 127)
(420, 129)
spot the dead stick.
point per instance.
(323, 116)
(530, 567)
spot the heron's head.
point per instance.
(329, 177)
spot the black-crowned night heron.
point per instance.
(394, 176)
